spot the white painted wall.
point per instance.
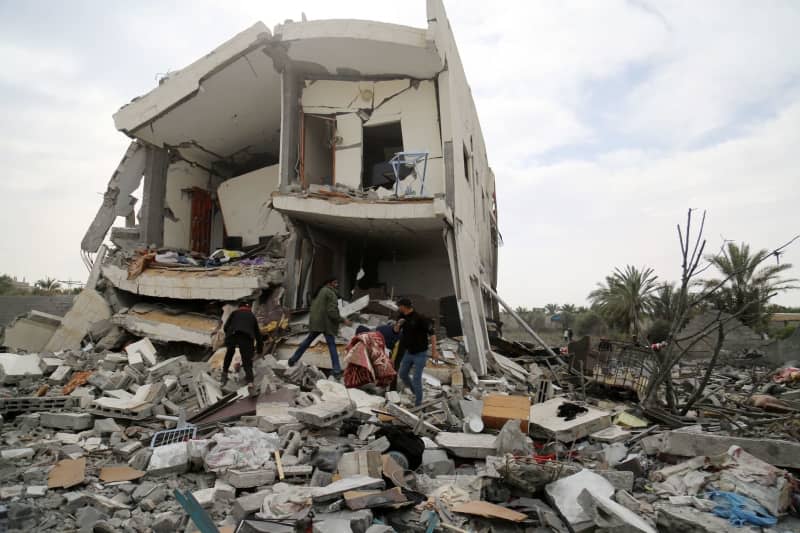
(246, 203)
(180, 176)
(413, 104)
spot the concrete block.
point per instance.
(14, 368)
(141, 353)
(60, 375)
(36, 491)
(169, 459)
(546, 423)
(68, 421)
(32, 404)
(336, 489)
(205, 497)
(563, 495)
(48, 365)
(140, 459)
(126, 449)
(468, 445)
(225, 491)
(16, 454)
(325, 414)
(364, 463)
(250, 479)
(11, 491)
(248, 504)
(106, 426)
(167, 522)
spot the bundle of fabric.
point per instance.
(366, 361)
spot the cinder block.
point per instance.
(69, 421)
(251, 478)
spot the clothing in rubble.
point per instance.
(366, 361)
(324, 319)
(241, 331)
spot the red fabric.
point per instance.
(366, 361)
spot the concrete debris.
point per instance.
(112, 410)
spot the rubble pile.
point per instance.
(137, 441)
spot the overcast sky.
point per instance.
(604, 122)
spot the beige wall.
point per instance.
(181, 176)
(246, 203)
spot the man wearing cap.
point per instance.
(241, 331)
(416, 336)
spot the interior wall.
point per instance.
(181, 176)
(411, 102)
(246, 204)
(317, 153)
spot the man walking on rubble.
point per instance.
(324, 319)
(241, 331)
(415, 332)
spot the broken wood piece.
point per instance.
(67, 473)
(110, 474)
(488, 510)
(279, 464)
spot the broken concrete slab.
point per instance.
(169, 459)
(691, 444)
(141, 353)
(14, 368)
(563, 495)
(89, 307)
(31, 332)
(338, 488)
(608, 515)
(545, 421)
(468, 445)
(162, 326)
(69, 421)
(364, 463)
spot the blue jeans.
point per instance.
(415, 384)
(330, 339)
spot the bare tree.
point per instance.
(692, 246)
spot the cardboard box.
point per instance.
(499, 409)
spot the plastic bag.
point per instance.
(740, 510)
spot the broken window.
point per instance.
(380, 144)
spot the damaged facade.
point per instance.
(346, 148)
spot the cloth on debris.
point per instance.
(366, 361)
(241, 448)
(568, 411)
(286, 502)
(740, 510)
(140, 263)
(512, 440)
(787, 375)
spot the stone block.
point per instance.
(205, 497)
(68, 421)
(325, 414)
(141, 353)
(167, 522)
(250, 478)
(169, 459)
(126, 449)
(225, 491)
(60, 374)
(248, 504)
(14, 368)
(468, 445)
(106, 426)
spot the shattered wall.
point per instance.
(361, 104)
(246, 205)
(181, 177)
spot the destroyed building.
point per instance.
(346, 148)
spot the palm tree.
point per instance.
(745, 286)
(626, 297)
(551, 309)
(48, 285)
(665, 302)
(569, 308)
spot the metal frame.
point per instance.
(408, 159)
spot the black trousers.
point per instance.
(245, 344)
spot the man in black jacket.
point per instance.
(241, 331)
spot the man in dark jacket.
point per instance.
(324, 319)
(417, 342)
(241, 331)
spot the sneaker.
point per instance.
(292, 362)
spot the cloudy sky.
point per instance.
(605, 121)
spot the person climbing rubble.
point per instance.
(241, 331)
(415, 331)
(324, 320)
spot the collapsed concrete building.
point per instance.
(347, 148)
